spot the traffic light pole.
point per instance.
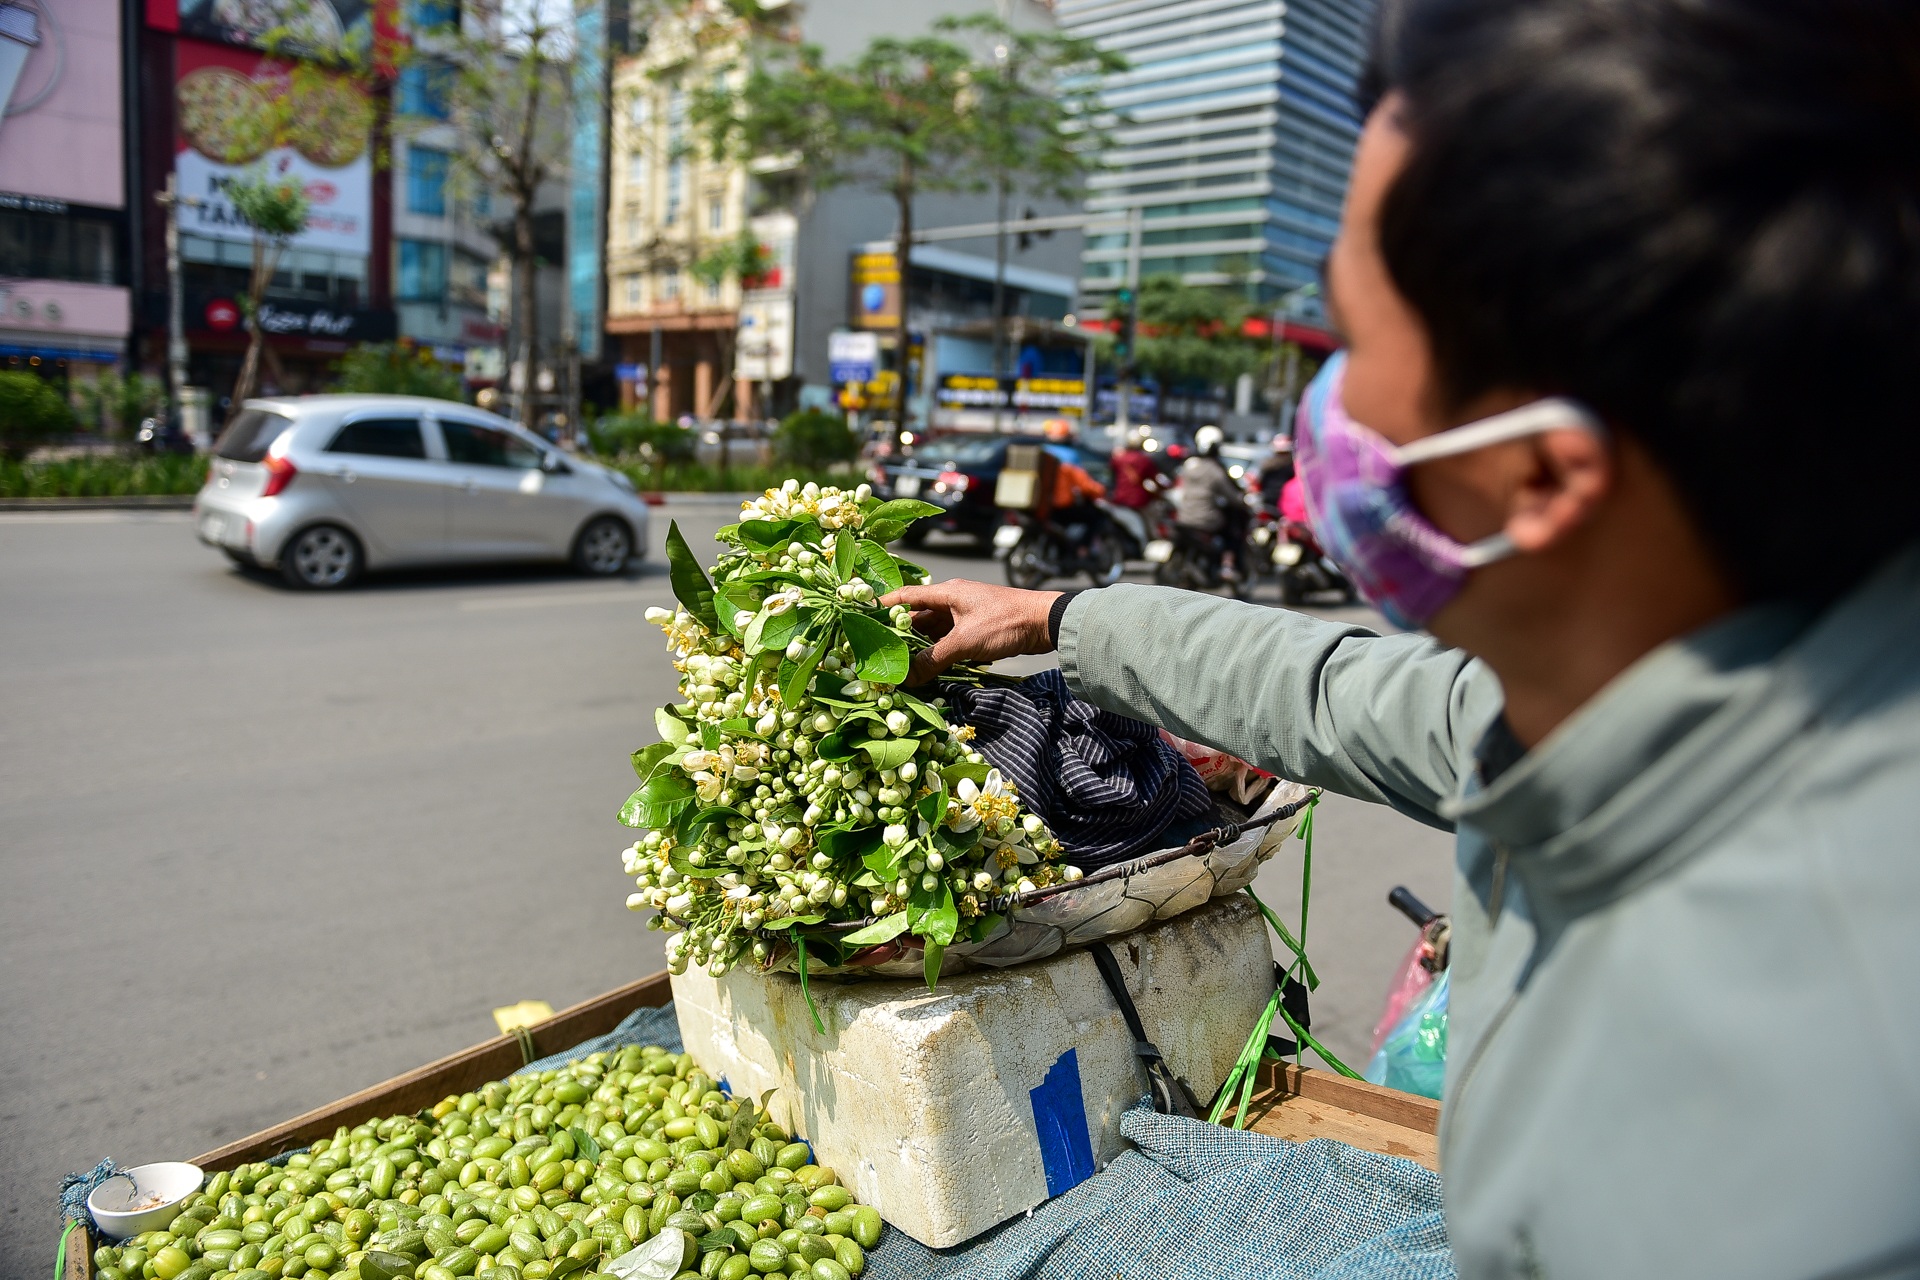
(1129, 317)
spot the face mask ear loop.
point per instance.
(1527, 420)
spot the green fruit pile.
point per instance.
(544, 1176)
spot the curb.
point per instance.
(731, 501)
(132, 502)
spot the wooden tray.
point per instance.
(1296, 1103)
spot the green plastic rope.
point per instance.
(60, 1258)
(800, 945)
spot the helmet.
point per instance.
(1208, 439)
(1283, 444)
(1058, 430)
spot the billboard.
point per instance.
(238, 113)
(60, 127)
(310, 26)
(1052, 396)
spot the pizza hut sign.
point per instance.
(318, 323)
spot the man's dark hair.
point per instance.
(1699, 217)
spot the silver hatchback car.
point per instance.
(325, 487)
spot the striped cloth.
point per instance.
(1109, 787)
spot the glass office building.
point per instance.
(1235, 130)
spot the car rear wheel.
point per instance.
(322, 558)
(603, 547)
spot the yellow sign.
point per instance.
(527, 1013)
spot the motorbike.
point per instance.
(1196, 560)
(1136, 530)
(1292, 554)
(1071, 541)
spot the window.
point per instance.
(427, 181)
(637, 170)
(633, 291)
(640, 110)
(633, 227)
(713, 291)
(57, 246)
(381, 438)
(472, 443)
(249, 435)
(716, 214)
(482, 205)
(676, 189)
(423, 270)
(670, 287)
(422, 90)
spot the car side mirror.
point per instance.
(554, 465)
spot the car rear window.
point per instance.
(381, 437)
(250, 434)
(964, 453)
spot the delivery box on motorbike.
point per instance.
(1026, 481)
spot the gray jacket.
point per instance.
(1685, 1035)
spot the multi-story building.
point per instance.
(443, 246)
(64, 300)
(1237, 131)
(720, 346)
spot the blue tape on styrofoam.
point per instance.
(1060, 1122)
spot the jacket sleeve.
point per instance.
(1390, 719)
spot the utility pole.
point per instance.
(171, 200)
(1129, 318)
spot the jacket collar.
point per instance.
(1631, 783)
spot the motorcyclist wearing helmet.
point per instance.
(1275, 470)
(1210, 503)
(1136, 476)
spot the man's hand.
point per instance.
(973, 622)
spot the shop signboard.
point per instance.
(295, 319)
(764, 351)
(312, 27)
(875, 285)
(852, 357)
(239, 114)
(1052, 397)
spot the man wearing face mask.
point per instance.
(1602, 262)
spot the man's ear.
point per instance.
(1571, 473)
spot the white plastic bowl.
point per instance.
(146, 1198)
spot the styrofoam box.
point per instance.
(952, 1111)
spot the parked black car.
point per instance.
(958, 474)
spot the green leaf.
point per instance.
(965, 769)
(980, 930)
(740, 1131)
(738, 727)
(882, 930)
(800, 945)
(795, 675)
(925, 710)
(933, 807)
(690, 584)
(710, 735)
(658, 802)
(647, 759)
(764, 535)
(834, 747)
(886, 530)
(877, 566)
(936, 951)
(911, 572)
(950, 842)
(712, 813)
(879, 652)
(843, 548)
(889, 753)
(677, 859)
(732, 599)
(883, 861)
(865, 880)
(847, 843)
(903, 509)
(584, 1143)
(671, 727)
(932, 913)
(777, 631)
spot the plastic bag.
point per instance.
(1410, 982)
(1413, 1058)
(1221, 772)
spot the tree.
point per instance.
(395, 368)
(511, 95)
(1191, 335)
(909, 115)
(276, 209)
(112, 401)
(815, 438)
(30, 411)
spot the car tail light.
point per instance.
(951, 481)
(280, 474)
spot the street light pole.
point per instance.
(1123, 386)
(171, 200)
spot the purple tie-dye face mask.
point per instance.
(1354, 484)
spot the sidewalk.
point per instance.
(184, 502)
